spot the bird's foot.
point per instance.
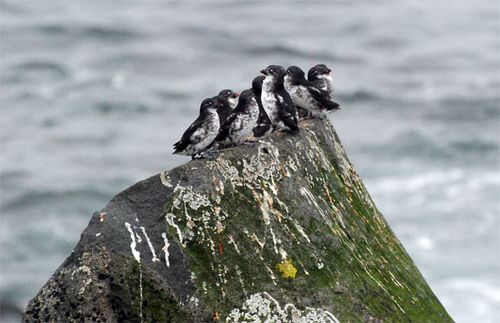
(210, 155)
(250, 140)
(293, 132)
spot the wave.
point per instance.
(386, 42)
(69, 32)
(467, 108)
(359, 96)
(11, 8)
(40, 66)
(288, 51)
(414, 143)
(101, 32)
(109, 107)
(37, 198)
(171, 95)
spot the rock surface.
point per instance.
(280, 230)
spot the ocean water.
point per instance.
(93, 95)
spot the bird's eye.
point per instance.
(228, 92)
(271, 70)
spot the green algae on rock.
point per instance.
(283, 230)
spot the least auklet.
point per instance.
(231, 96)
(306, 95)
(276, 100)
(264, 126)
(321, 77)
(229, 99)
(240, 124)
(202, 132)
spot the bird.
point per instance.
(277, 102)
(264, 126)
(306, 95)
(229, 99)
(320, 76)
(202, 132)
(240, 124)
(231, 96)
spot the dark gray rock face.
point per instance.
(283, 230)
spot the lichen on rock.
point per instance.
(262, 307)
(287, 269)
(280, 230)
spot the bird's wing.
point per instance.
(285, 104)
(323, 97)
(186, 138)
(224, 130)
(287, 110)
(263, 121)
(225, 112)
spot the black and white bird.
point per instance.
(264, 126)
(306, 95)
(238, 128)
(276, 100)
(321, 76)
(229, 100)
(202, 132)
(231, 96)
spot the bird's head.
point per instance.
(210, 105)
(245, 96)
(275, 71)
(228, 93)
(257, 84)
(318, 71)
(295, 73)
(230, 96)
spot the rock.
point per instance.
(283, 229)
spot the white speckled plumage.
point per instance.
(244, 123)
(204, 135)
(325, 82)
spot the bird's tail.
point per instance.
(177, 147)
(262, 129)
(332, 106)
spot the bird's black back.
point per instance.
(287, 109)
(323, 97)
(263, 122)
(245, 96)
(225, 111)
(311, 76)
(185, 139)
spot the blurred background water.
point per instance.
(93, 95)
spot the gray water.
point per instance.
(94, 94)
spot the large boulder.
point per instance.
(283, 230)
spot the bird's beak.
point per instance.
(329, 70)
(236, 95)
(264, 72)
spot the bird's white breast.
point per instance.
(268, 99)
(326, 83)
(233, 102)
(205, 134)
(242, 127)
(302, 98)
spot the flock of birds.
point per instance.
(276, 101)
